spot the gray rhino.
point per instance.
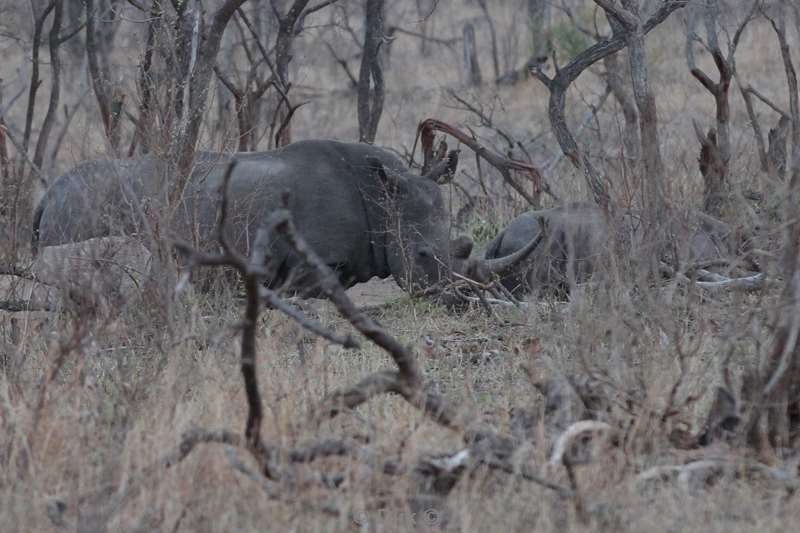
(357, 206)
(576, 241)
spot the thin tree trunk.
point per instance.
(472, 68)
(145, 82)
(538, 22)
(55, 85)
(616, 82)
(493, 38)
(654, 179)
(370, 78)
(35, 82)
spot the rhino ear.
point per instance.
(387, 177)
(445, 169)
(461, 247)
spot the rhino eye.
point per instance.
(424, 253)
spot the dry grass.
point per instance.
(89, 404)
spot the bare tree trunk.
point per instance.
(615, 78)
(283, 55)
(35, 83)
(370, 78)
(5, 166)
(753, 118)
(247, 97)
(145, 82)
(538, 23)
(423, 12)
(472, 69)
(654, 181)
(100, 78)
(493, 37)
(191, 108)
(196, 45)
(716, 148)
(55, 84)
(776, 153)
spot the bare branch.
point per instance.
(568, 73)
(503, 165)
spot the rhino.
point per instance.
(357, 205)
(576, 239)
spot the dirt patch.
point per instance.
(375, 292)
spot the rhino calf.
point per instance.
(574, 238)
(577, 238)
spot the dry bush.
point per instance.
(91, 401)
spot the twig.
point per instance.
(313, 326)
(772, 105)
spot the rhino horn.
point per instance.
(502, 266)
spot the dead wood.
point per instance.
(425, 134)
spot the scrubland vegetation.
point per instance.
(656, 396)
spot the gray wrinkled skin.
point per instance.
(577, 242)
(363, 222)
(576, 236)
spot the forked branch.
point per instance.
(426, 132)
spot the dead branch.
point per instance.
(562, 445)
(272, 298)
(408, 380)
(704, 279)
(342, 62)
(772, 105)
(425, 133)
(438, 40)
(702, 469)
(19, 306)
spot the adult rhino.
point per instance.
(357, 206)
(576, 238)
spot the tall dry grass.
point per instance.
(89, 403)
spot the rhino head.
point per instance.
(420, 250)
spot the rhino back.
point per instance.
(329, 188)
(95, 199)
(332, 196)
